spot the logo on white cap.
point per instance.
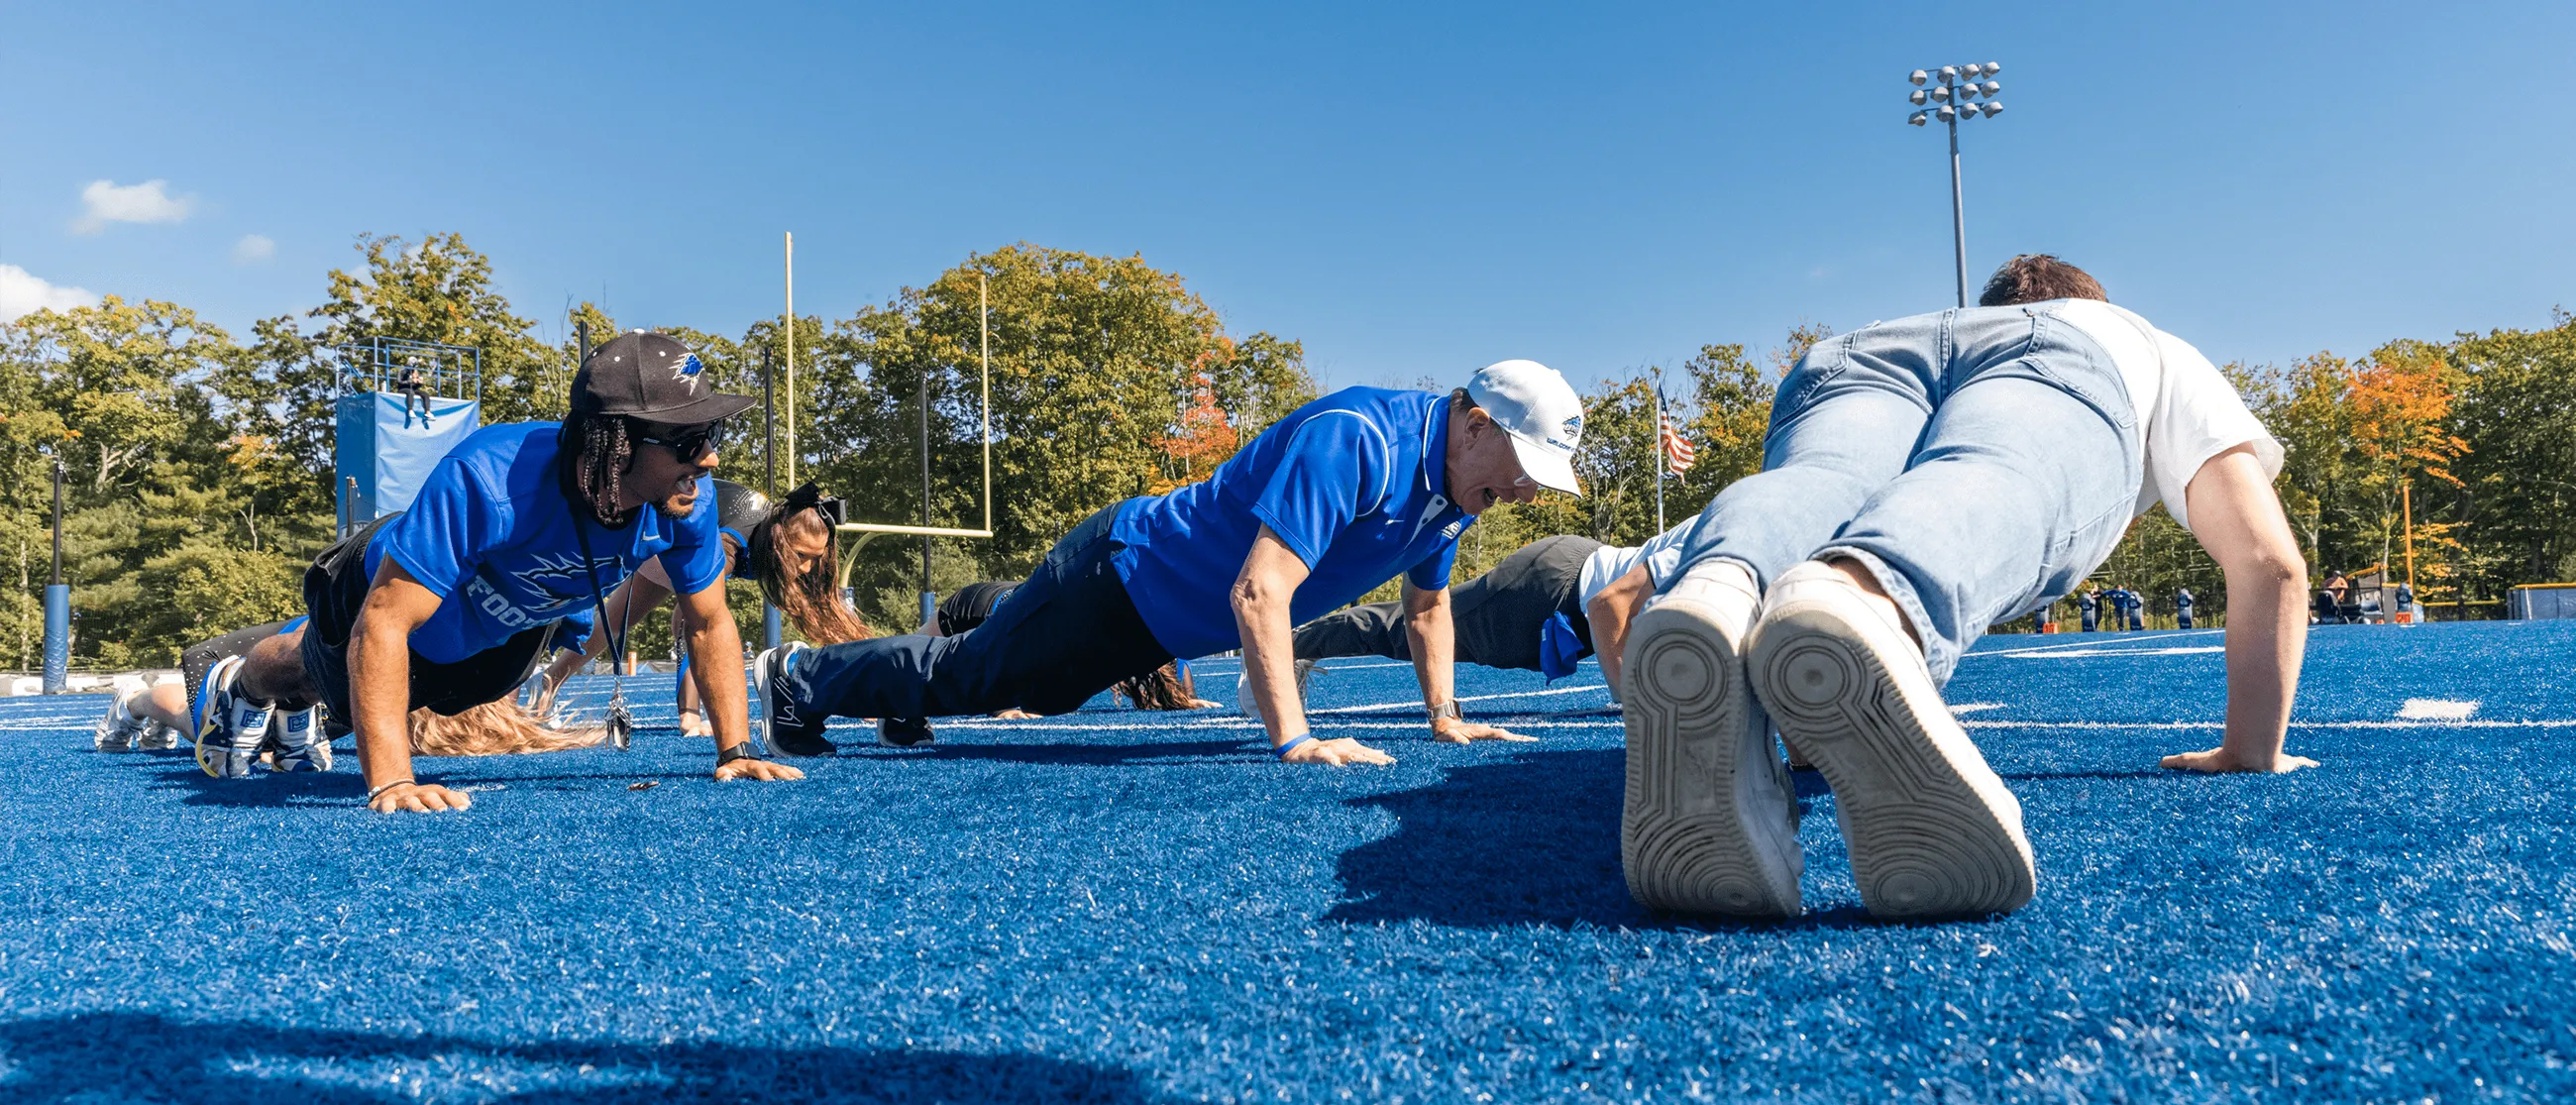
(1540, 413)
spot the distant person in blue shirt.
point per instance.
(516, 536)
(1344, 493)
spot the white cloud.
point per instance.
(253, 248)
(106, 201)
(22, 292)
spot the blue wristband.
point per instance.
(1282, 750)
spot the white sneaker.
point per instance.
(298, 743)
(1932, 831)
(1710, 822)
(1251, 708)
(120, 730)
(230, 726)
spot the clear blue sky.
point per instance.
(1411, 190)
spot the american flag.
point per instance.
(1677, 450)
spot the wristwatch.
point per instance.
(1445, 709)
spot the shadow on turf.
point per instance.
(1530, 840)
(140, 1057)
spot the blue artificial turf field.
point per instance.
(1119, 906)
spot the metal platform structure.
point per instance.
(401, 404)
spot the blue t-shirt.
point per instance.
(1353, 483)
(492, 534)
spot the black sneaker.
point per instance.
(905, 733)
(785, 731)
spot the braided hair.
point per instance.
(598, 451)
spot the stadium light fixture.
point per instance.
(1952, 87)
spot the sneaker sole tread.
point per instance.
(1685, 841)
(1931, 828)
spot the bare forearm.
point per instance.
(1609, 622)
(715, 655)
(1270, 665)
(380, 693)
(2267, 629)
(1435, 653)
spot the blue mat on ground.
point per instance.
(1116, 906)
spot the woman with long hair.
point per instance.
(790, 549)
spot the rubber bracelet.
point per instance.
(738, 750)
(1282, 750)
(374, 791)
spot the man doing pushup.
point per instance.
(1343, 494)
(519, 530)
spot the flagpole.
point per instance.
(1659, 456)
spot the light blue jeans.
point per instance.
(1980, 462)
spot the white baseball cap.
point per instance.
(1540, 413)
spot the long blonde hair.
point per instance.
(495, 729)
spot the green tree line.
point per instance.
(199, 470)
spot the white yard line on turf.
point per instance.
(2096, 644)
(1244, 726)
(2554, 723)
(2072, 654)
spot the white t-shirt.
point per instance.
(1662, 555)
(2187, 411)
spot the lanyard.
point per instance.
(621, 723)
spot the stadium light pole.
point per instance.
(1948, 94)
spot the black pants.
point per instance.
(335, 588)
(1497, 615)
(1067, 634)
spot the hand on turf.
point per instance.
(2219, 760)
(420, 798)
(1204, 704)
(1336, 753)
(1452, 730)
(762, 770)
(1013, 713)
(694, 724)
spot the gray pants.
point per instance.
(1497, 615)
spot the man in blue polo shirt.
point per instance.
(1342, 495)
(519, 530)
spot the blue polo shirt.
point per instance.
(1353, 483)
(492, 535)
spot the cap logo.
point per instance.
(1572, 433)
(688, 371)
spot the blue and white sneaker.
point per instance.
(120, 730)
(785, 731)
(298, 743)
(230, 725)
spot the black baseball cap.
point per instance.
(641, 374)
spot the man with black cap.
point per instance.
(521, 529)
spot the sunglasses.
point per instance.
(690, 442)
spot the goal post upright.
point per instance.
(864, 532)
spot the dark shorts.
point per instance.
(335, 587)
